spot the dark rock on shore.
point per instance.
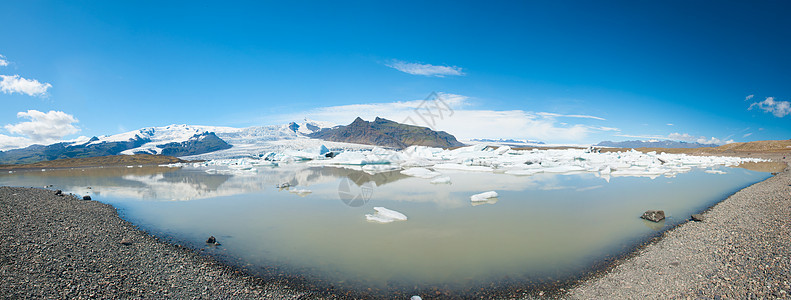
(86, 197)
(654, 215)
(60, 247)
(741, 251)
(697, 217)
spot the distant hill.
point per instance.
(508, 141)
(653, 144)
(758, 146)
(386, 133)
(102, 161)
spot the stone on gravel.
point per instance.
(65, 248)
(741, 251)
(211, 240)
(59, 192)
(86, 197)
(126, 242)
(654, 215)
(697, 218)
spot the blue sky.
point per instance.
(555, 71)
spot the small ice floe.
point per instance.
(420, 173)
(483, 197)
(300, 192)
(384, 215)
(715, 172)
(441, 180)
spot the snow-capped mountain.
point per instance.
(175, 140)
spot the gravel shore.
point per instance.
(741, 250)
(65, 247)
(69, 248)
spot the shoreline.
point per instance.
(73, 269)
(741, 249)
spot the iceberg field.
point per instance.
(431, 163)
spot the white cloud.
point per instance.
(747, 134)
(425, 69)
(602, 128)
(451, 116)
(43, 128)
(13, 142)
(3, 61)
(777, 108)
(553, 115)
(669, 124)
(749, 97)
(17, 84)
(697, 139)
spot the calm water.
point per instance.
(542, 227)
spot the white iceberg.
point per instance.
(300, 192)
(715, 172)
(420, 173)
(384, 215)
(485, 196)
(441, 180)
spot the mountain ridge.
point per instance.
(654, 144)
(386, 133)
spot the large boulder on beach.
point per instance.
(58, 192)
(86, 197)
(211, 240)
(697, 217)
(654, 215)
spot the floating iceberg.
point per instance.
(420, 173)
(715, 172)
(300, 192)
(483, 197)
(441, 180)
(384, 215)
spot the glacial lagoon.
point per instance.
(542, 228)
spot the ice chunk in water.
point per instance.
(384, 215)
(483, 196)
(300, 192)
(420, 172)
(441, 180)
